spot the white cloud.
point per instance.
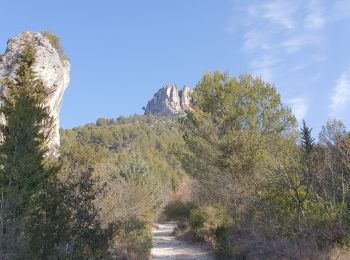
(340, 99)
(280, 12)
(310, 33)
(299, 42)
(295, 43)
(286, 41)
(299, 107)
(279, 29)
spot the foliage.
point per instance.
(246, 103)
(134, 239)
(133, 156)
(207, 221)
(153, 138)
(178, 210)
(64, 219)
(24, 154)
(307, 141)
(87, 237)
(26, 132)
(48, 205)
(279, 185)
(48, 221)
(260, 188)
(232, 134)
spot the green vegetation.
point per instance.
(25, 169)
(206, 220)
(264, 189)
(235, 169)
(178, 210)
(24, 144)
(150, 138)
(133, 161)
(99, 198)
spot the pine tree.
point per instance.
(24, 148)
(26, 131)
(307, 146)
(307, 141)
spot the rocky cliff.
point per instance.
(170, 101)
(50, 66)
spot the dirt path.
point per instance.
(166, 246)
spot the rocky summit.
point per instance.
(50, 67)
(170, 101)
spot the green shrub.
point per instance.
(134, 239)
(223, 242)
(206, 221)
(178, 210)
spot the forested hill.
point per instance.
(152, 138)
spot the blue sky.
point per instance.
(122, 52)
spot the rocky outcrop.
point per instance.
(170, 102)
(49, 66)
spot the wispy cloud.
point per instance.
(254, 40)
(277, 12)
(299, 42)
(340, 98)
(299, 107)
(276, 29)
(288, 42)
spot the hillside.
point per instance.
(153, 138)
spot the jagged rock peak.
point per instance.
(170, 101)
(50, 67)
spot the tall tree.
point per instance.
(235, 126)
(307, 141)
(25, 132)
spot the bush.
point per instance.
(133, 240)
(251, 238)
(223, 245)
(178, 210)
(207, 221)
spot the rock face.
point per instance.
(170, 102)
(52, 69)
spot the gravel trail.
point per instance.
(166, 246)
